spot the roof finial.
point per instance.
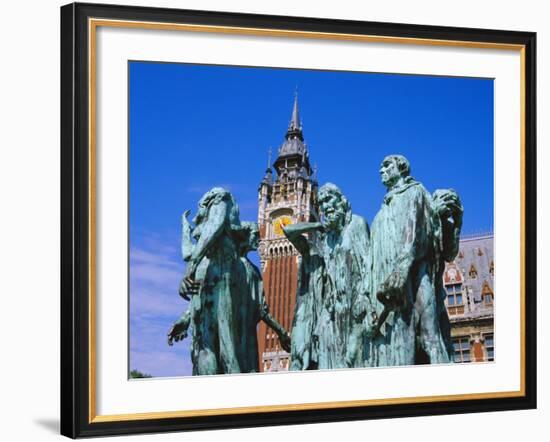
(269, 157)
(315, 172)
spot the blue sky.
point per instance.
(194, 127)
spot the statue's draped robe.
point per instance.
(249, 309)
(339, 333)
(311, 282)
(214, 324)
(402, 241)
(332, 280)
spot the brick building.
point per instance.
(469, 282)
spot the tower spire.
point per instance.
(268, 178)
(295, 123)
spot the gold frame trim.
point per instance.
(93, 24)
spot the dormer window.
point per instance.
(473, 272)
(487, 295)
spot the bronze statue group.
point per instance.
(364, 298)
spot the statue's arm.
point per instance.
(456, 227)
(186, 242)
(294, 233)
(179, 329)
(284, 337)
(359, 241)
(210, 232)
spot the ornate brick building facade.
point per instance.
(289, 197)
(469, 282)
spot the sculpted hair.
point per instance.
(218, 194)
(335, 190)
(402, 164)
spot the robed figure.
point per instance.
(250, 305)
(345, 244)
(211, 276)
(406, 259)
(332, 299)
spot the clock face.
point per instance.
(284, 220)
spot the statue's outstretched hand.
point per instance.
(184, 217)
(178, 332)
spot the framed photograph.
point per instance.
(274, 220)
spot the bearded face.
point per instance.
(332, 208)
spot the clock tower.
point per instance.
(288, 197)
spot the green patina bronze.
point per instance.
(312, 280)
(211, 279)
(251, 307)
(332, 301)
(412, 236)
(224, 289)
(448, 213)
(363, 299)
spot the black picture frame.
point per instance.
(75, 220)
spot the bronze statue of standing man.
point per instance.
(405, 267)
(210, 278)
(332, 299)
